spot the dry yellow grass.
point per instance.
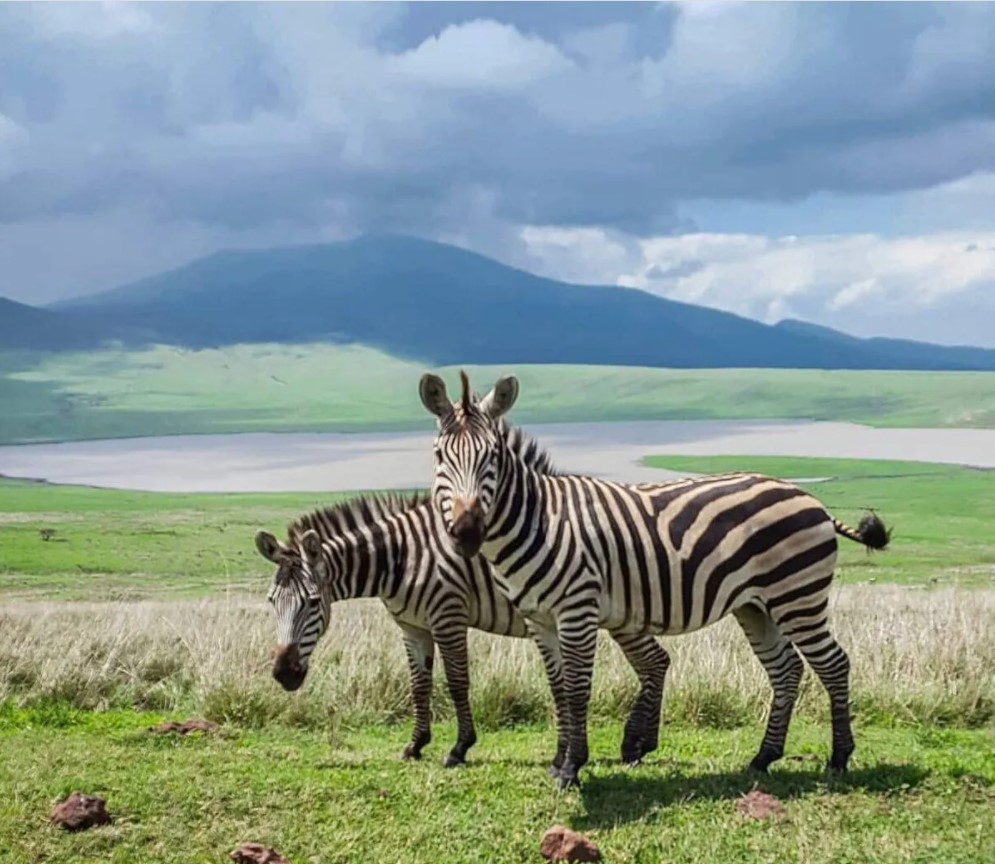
(917, 655)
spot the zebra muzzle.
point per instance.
(468, 528)
(287, 667)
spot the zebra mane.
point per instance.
(352, 513)
(527, 448)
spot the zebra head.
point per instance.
(470, 452)
(297, 601)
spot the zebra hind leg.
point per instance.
(650, 662)
(830, 662)
(784, 669)
(452, 647)
(420, 649)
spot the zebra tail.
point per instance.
(871, 531)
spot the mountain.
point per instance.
(444, 305)
(28, 328)
(906, 351)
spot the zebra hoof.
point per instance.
(411, 753)
(632, 752)
(452, 761)
(836, 767)
(567, 779)
(554, 771)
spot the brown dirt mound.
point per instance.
(760, 805)
(79, 812)
(185, 728)
(562, 844)
(256, 853)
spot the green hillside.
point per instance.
(319, 387)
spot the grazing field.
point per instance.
(140, 607)
(110, 544)
(943, 516)
(251, 388)
(914, 795)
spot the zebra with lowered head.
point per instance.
(394, 548)
(576, 553)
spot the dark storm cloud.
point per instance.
(430, 117)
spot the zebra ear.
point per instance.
(311, 544)
(501, 398)
(432, 390)
(269, 547)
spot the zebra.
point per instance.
(576, 553)
(394, 548)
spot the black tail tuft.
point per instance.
(872, 531)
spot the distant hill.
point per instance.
(444, 305)
(28, 328)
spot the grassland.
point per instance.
(110, 544)
(147, 606)
(116, 545)
(167, 390)
(913, 796)
(942, 515)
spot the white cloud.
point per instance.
(770, 278)
(575, 254)
(748, 274)
(480, 54)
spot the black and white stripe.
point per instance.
(576, 553)
(395, 549)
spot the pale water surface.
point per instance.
(271, 462)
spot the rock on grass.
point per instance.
(256, 853)
(760, 805)
(185, 728)
(79, 812)
(562, 844)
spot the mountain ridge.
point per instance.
(445, 305)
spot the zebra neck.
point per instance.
(519, 510)
(367, 562)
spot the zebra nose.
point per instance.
(466, 507)
(287, 667)
(468, 532)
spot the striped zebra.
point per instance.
(395, 548)
(576, 553)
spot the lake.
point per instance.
(275, 462)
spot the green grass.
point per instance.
(308, 774)
(167, 390)
(127, 545)
(116, 544)
(942, 515)
(912, 795)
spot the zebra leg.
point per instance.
(452, 647)
(578, 630)
(784, 669)
(549, 649)
(421, 649)
(812, 637)
(650, 662)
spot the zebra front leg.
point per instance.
(549, 649)
(452, 647)
(420, 649)
(578, 628)
(650, 662)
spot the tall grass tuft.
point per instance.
(920, 657)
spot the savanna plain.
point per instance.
(122, 609)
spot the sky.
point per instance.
(833, 162)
